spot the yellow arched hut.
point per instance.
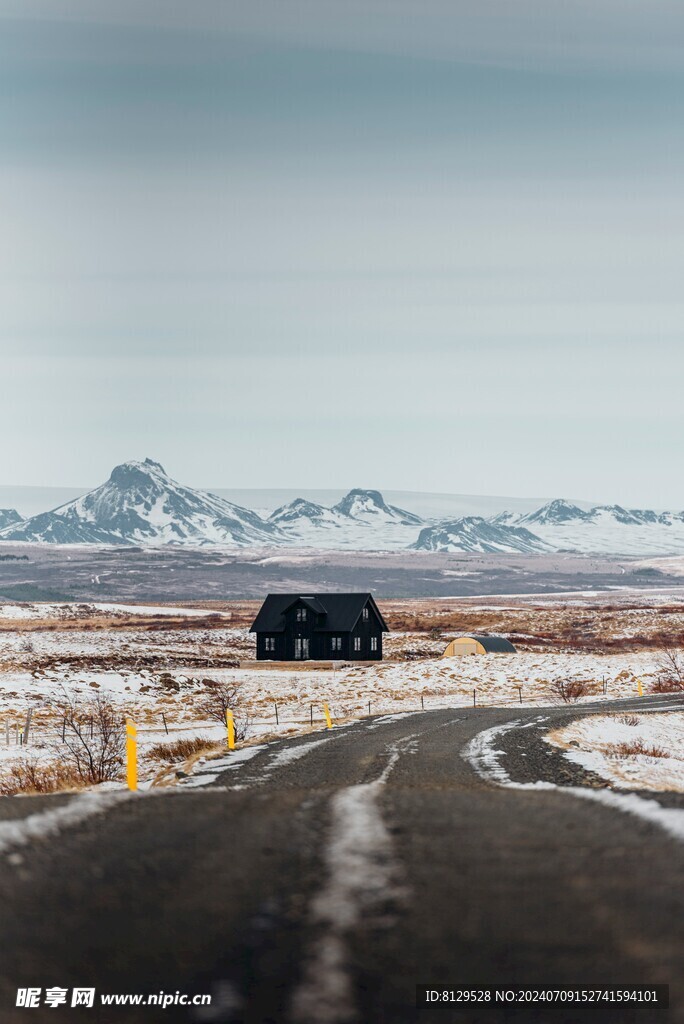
(478, 643)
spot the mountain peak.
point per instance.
(370, 505)
(359, 498)
(135, 473)
(474, 533)
(9, 517)
(141, 504)
(299, 509)
(555, 512)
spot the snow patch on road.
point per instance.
(484, 758)
(293, 753)
(47, 824)
(206, 771)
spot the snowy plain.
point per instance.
(633, 751)
(154, 663)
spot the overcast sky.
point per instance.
(414, 245)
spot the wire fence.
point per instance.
(276, 715)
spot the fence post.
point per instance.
(275, 705)
(312, 714)
(131, 755)
(27, 725)
(520, 693)
(474, 698)
(164, 721)
(7, 733)
(422, 702)
(369, 704)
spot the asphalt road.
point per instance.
(320, 881)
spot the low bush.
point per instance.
(217, 698)
(637, 747)
(179, 750)
(667, 684)
(31, 777)
(569, 691)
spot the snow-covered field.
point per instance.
(61, 611)
(155, 663)
(634, 751)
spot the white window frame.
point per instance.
(365, 614)
(357, 643)
(374, 643)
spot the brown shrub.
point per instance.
(219, 697)
(180, 749)
(666, 685)
(627, 719)
(92, 737)
(671, 671)
(636, 747)
(32, 777)
(569, 691)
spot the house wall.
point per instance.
(365, 629)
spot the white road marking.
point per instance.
(484, 758)
(362, 877)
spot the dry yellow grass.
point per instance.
(29, 777)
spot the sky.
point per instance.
(409, 245)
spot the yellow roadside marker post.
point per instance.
(131, 755)
(328, 719)
(640, 687)
(230, 727)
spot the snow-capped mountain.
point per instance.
(302, 512)
(560, 525)
(607, 529)
(473, 533)
(361, 520)
(8, 517)
(555, 513)
(371, 507)
(141, 504)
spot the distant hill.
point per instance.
(141, 504)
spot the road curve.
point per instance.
(320, 881)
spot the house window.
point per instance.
(269, 643)
(365, 615)
(374, 643)
(301, 615)
(357, 643)
(336, 643)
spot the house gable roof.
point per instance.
(341, 611)
(310, 601)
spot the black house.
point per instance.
(319, 627)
